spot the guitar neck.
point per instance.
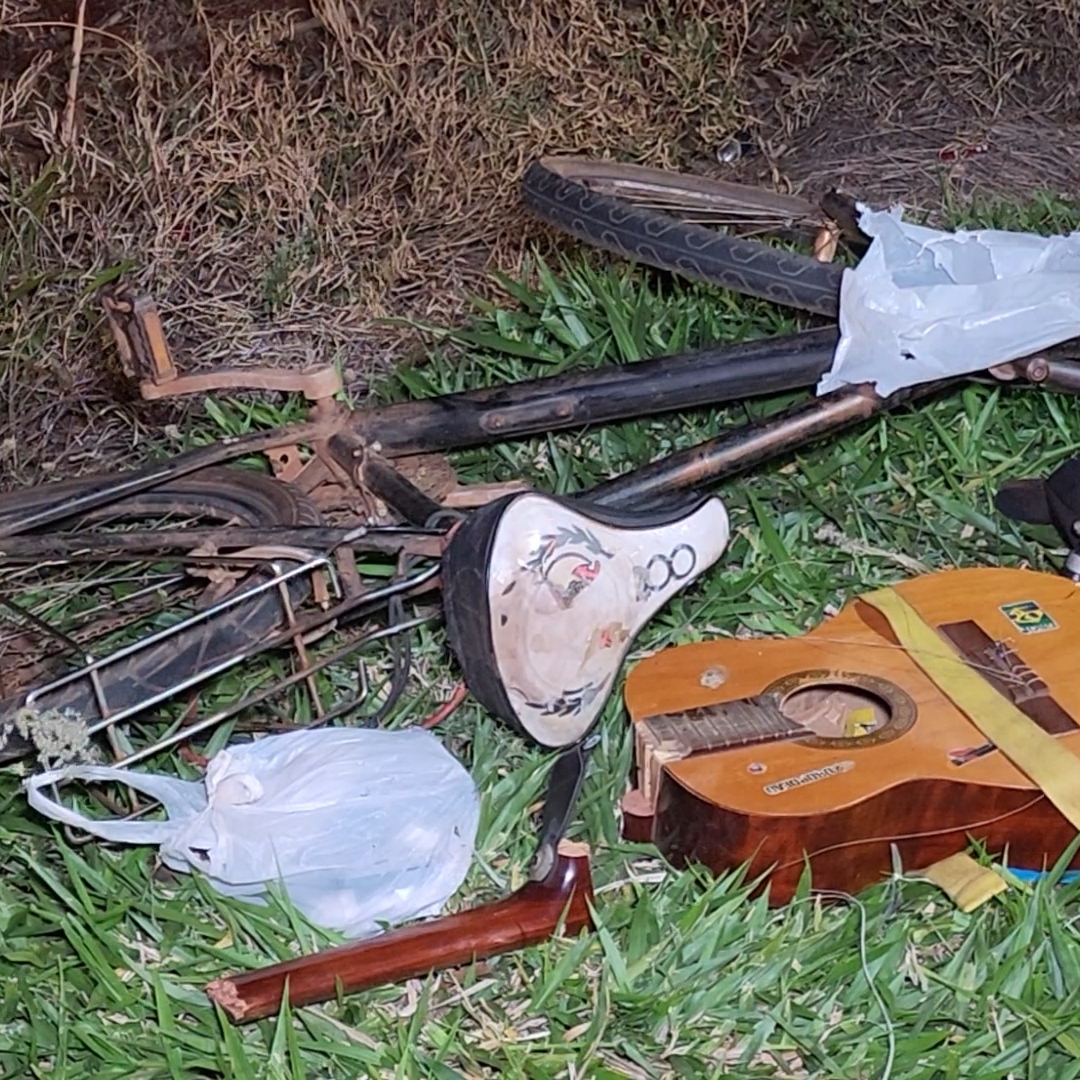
(674, 736)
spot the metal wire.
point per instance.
(95, 666)
(188, 731)
(297, 633)
(401, 651)
(44, 627)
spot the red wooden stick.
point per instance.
(527, 917)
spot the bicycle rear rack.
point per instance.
(298, 631)
(92, 670)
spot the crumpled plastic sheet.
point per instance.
(924, 304)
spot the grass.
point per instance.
(686, 976)
(281, 174)
(278, 180)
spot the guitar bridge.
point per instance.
(999, 665)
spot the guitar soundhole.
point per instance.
(840, 710)
(837, 712)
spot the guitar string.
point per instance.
(887, 1021)
(735, 729)
(865, 643)
(738, 732)
(914, 835)
(988, 669)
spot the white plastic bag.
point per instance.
(359, 826)
(924, 304)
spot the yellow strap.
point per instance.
(1037, 754)
(966, 882)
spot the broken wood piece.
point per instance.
(527, 917)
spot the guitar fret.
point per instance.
(713, 727)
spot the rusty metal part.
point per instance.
(128, 697)
(139, 336)
(145, 355)
(843, 211)
(380, 478)
(611, 393)
(102, 491)
(219, 545)
(431, 473)
(470, 496)
(414, 428)
(1043, 371)
(1031, 369)
(394, 485)
(315, 384)
(826, 243)
(320, 589)
(95, 673)
(693, 197)
(349, 574)
(259, 697)
(749, 445)
(250, 500)
(324, 588)
(287, 463)
(449, 422)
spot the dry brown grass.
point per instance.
(283, 179)
(869, 95)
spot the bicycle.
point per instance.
(276, 574)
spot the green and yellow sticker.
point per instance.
(1028, 617)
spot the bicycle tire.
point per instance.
(219, 493)
(748, 267)
(696, 199)
(225, 494)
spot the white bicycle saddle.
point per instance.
(543, 600)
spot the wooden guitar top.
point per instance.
(1019, 627)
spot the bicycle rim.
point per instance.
(698, 200)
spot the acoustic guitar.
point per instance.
(832, 747)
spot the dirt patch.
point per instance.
(284, 176)
(919, 103)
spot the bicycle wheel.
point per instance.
(95, 608)
(626, 210)
(215, 494)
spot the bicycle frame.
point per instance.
(361, 456)
(382, 453)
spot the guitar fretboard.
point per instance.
(714, 727)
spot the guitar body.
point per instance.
(834, 747)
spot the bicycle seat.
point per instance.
(544, 599)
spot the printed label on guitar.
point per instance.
(811, 776)
(1028, 617)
